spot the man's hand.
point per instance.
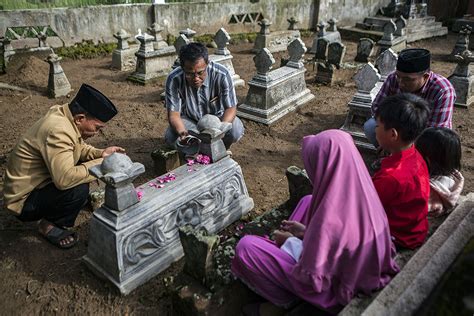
(182, 135)
(112, 149)
(295, 228)
(281, 236)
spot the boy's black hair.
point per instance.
(405, 112)
(192, 52)
(441, 148)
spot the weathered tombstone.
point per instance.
(365, 50)
(326, 69)
(42, 39)
(462, 43)
(360, 105)
(386, 63)
(331, 34)
(273, 41)
(389, 40)
(210, 131)
(155, 30)
(181, 41)
(322, 50)
(188, 33)
(131, 241)
(292, 21)
(273, 94)
(224, 57)
(463, 79)
(400, 24)
(151, 63)
(123, 58)
(58, 85)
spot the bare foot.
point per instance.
(45, 227)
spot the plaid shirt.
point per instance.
(216, 94)
(438, 91)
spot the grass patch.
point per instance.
(86, 49)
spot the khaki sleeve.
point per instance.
(89, 152)
(58, 155)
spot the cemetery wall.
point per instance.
(98, 23)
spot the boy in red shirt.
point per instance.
(403, 181)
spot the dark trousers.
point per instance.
(59, 207)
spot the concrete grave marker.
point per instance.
(360, 105)
(386, 63)
(336, 53)
(389, 40)
(321, 50)
(292, 21)
(58, 85)
(181, 41)
(331, 34)
(131, 241)
(332, 25)
(273, 41)
(462, 43)
(188, 33)
(365, 50)
(123, 58)
(400, 24)
(327, 68)
(155, 30)
(463, 79)
(273, 94)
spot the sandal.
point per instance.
(56, 234)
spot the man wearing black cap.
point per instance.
(413, 75)
(47, 175)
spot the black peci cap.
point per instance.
(95, 103)
(414, 60)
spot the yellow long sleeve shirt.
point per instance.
(52, 150)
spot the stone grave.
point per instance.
(188, 33)
(327, 69)
(123, 57)
(463, 79)
(462, 43)
(365, 50)
(331, 34)
(134, 235)
(419, 24)
(273, 41)
(321, 54)
(155, 30)
(467, 19)
(360, 106)
(273, 94)
(181, 41)
(58, 85)
(393, 36)
(223, 56)
(292, 23)
(386, 63)
(151, 63)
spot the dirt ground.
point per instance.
(36, 277)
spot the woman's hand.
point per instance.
(281, 236)
(295, 228)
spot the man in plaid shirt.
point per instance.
(413, 75)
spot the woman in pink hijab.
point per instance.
(343, 246)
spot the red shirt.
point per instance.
(403, 185)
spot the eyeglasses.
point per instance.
(200, 73)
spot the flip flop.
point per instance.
(56, 234)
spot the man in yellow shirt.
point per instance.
(47, 175)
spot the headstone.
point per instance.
(462, 43)
(152, 63)
(224, 57)
(365, 50)
(273, 94)
(123, 58)
(463, 79)
(58, 85)
(400, 24)
(389, 40)
(42, 39)
(188, 33)
(467, 19)
(386, 63)
(360, 105)
(155, 30)
(181, 41)
(292, 21)
(130, 245)
(326, 69)
(331, 34)
(273, 41)
(321, 49)
(336, 52)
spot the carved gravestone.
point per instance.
(386, 63)
(42, 39)
(155, 30)
(326, 70)
(389, 40)
(462, 43)
(321, 50)
(188, 33)
(181, 41)
(463, 79)
(131, 240)
(210, 131)
(224, 57)
(151, 63)
(273, 94)
(123, 58)
(331, 34)
(400, 24)
(273, 41)
(58, 85)
(292, 21)
(360, 105)
(365, 50)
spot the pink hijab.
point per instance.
(347, 246)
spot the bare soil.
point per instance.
(36, 277)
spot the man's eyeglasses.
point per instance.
(195, 74)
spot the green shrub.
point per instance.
(86, 49)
